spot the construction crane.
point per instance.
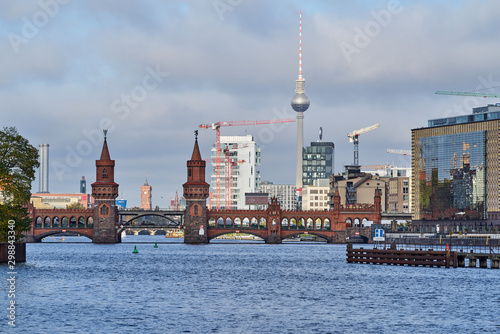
(353, 138)
(396, 151)
(445, 92)
(216, 126)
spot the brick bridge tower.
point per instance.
(104, 191)
(196, 194)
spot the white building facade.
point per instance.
(240, 155)
(315, 198)
(285, 193)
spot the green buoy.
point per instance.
(156, 245)
(135, 250)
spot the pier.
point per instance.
(412, 255)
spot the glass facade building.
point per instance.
(456, 168)
(317, 162)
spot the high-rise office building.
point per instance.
(318, 161)
(239, 158)
(456, 168)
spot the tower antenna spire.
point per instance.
(300, 45)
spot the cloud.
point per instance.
(66, 79)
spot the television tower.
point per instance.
(300, 103)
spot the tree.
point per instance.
(18, 162)
(75, 206)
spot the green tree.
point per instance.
(18, 162)
(75, 206)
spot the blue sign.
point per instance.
(121, 203)
(379, 235)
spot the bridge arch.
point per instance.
(231, 231)
(135, 218)
(309, 225)
(39, 237)
(294, 234)
(46, 222)
(318, 223)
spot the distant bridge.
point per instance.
(174, 216)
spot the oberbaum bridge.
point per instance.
(104, 222)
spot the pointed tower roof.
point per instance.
(196, 151)
(105, 151)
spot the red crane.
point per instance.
(216, 126)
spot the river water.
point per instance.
(239, 287)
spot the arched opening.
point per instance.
(38, 222)
(309, 224)
(326, 224)
(254, 222)
(237, 222)
(246, 222)
(318, 224)
(302, 224)
(90, 222)
(104, 173)
(364, 221)
(263, 222)
(55, 222)
(211, 222)
(229, 222)
(356, 221)
(274, 222)
(72, 222)
(293, 223)
(284, 224)
(81, 222)
(46, 222)
(64, 222)
(220, 222)
(348, 221)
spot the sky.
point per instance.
(152, 71)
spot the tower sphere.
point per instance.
(300, 102)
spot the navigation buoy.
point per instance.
(135, 251)
(156, 245)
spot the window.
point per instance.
(104, 173)
(104, 210)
